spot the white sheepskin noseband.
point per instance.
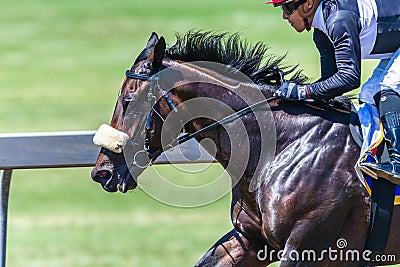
(110, 138)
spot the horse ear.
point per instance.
(152, 40)
(157, 55)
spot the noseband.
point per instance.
(154, 79)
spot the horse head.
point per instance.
(114, 170)
(223, 76)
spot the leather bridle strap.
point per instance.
(142, 77)
(154, 78)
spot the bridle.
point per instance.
(154, 82)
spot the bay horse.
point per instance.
(307, 196)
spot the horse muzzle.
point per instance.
(111, 170)
(113, 179)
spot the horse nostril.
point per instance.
(101, 175)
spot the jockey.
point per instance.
(346, 31)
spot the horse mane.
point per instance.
(235, 52)
(343, 102)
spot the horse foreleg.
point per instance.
(233, 249)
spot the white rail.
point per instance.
(64, 150)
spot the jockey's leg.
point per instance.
(389, 107)
(391, 125)
(387, 100)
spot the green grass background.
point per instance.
(61, 66)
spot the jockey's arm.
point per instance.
(326, 54)
(343, 31)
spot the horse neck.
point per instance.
(228, 141)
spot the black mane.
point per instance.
(251, 60)
(231, 50)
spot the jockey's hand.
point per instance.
(292, 91)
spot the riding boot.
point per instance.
(391, 169)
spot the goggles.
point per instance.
(291, 7)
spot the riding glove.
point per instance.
(292, 91)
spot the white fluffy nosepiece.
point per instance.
(110, 138)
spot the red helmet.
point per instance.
(278, 2)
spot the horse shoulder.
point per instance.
(311, 179)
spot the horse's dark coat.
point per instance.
(308, 199)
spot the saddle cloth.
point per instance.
(370, 136)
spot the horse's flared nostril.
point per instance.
(101, 175)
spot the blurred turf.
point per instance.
(61, 218)
(62, 63)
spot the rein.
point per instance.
(214, 125)
(153, 82)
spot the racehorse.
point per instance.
(308, 195)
